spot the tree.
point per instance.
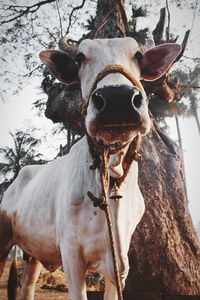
(14, 158)
(164, 253)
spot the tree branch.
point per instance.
(123, 16)
(71, 15)
(24, 10)
(184, 44)
(168, 24)
(29, 74)
(59, 16)
(102, 23)
(158, 31)
(189, 86)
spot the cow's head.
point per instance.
(109, 72)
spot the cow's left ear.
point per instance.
(156, 61)
(61, 65)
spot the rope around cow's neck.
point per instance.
(103, 202)
(116, 68)
(104, 173)
(110, 69)
(104, 205)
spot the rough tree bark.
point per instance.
(165, 251)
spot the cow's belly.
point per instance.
(34, 232)
(41, 247)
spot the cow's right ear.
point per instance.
(156, 61)
(61, 65)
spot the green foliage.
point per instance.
(161, 109)
(190, 82)
(187, 102)
(90, 23)
(21, 154)
(192, 4)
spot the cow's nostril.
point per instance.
(137, 100)
(99, 101)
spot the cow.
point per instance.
(47, 211)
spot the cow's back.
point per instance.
(12, 194)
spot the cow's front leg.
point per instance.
(110, 290)
(30, 277)
(75, 272)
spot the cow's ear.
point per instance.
(156, 61)
(61, 65)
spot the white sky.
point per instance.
(191, 151)
(17, 113)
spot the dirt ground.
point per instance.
(50, 286)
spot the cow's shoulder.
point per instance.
(25, 175)
(28, 172)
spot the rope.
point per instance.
(103, 204)
(106, 181)
(116, 68)
(105, 186)
(109, 69)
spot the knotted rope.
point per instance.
(116, 68)
(105, 187)
(110, 69)
(104, 205)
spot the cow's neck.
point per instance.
(119, 162)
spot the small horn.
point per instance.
(66, 47)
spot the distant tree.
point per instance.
(14, 158)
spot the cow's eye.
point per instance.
(138, 56)
(80, 57)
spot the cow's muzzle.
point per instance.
(117, 113)
(118, 107)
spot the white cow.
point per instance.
(46, 211)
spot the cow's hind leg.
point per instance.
(30, 278)
(6, 242)
(75, 272)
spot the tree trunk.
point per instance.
(197, 120)
(164, 252)
(195, 112)
(109, 21)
